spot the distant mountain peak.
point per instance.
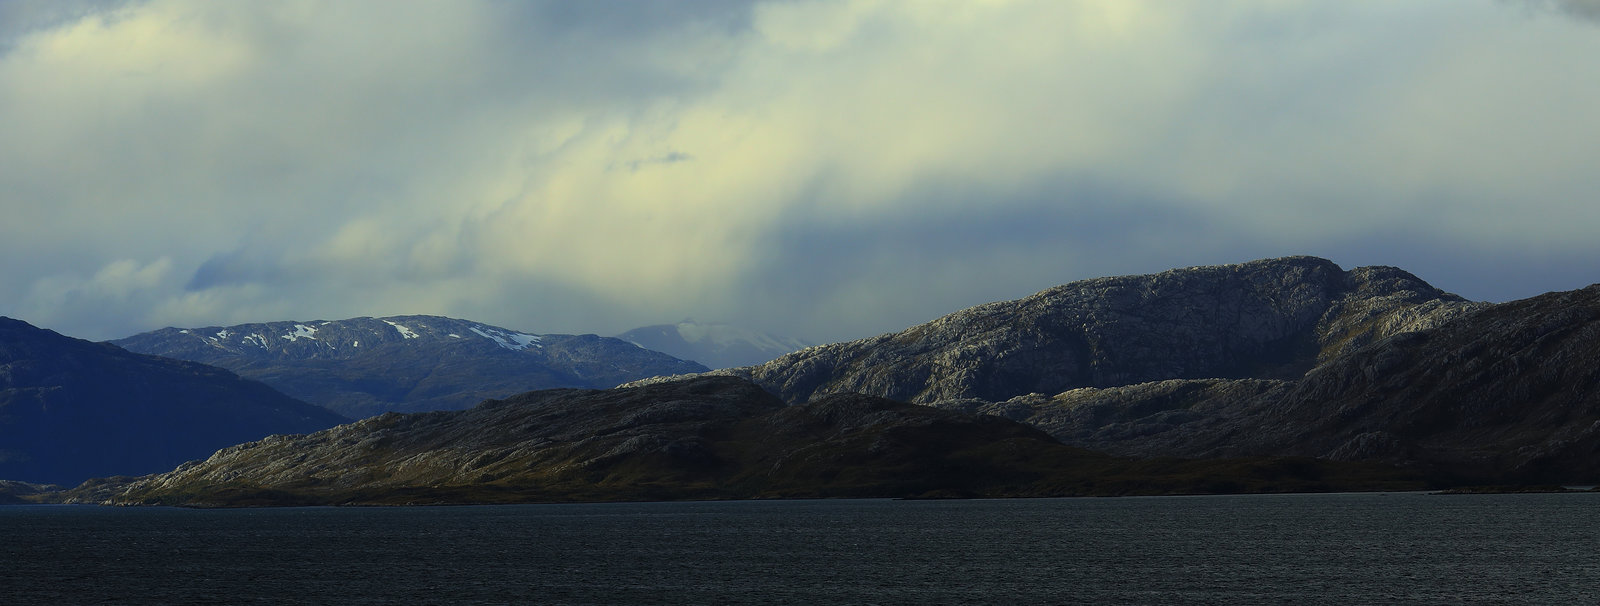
(297, 338)
(713, 344)
(364, 366)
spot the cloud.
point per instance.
(820, 168)
(1585, 10)
(966, 254)
(120, 283)
(667, 158)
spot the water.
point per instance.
(1277, 549)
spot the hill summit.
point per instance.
(1268, 319)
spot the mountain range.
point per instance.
(1290, 356)
(1279, 374)
(362, 367)
(72, 409)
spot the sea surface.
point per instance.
(1396, 548)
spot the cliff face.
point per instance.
(71, 409)
(710, 437)
(1272, 319)
(361, 367)
(1508, 393)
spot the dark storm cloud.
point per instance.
(20, 17)
(824, 169)
(970, 247)
(631, 18)
(1586, 10)
(222, 269)
(667, 158)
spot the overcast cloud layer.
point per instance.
(826, 170)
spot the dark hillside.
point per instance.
(72, 409)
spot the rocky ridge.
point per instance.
(1509, 393)
(361, 367)
(1269, 319)
(1278, 357)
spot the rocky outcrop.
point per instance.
(710, 437)
(1133, 420)
(71, 409)
(1271, 319)
(366, 366)
(1507, 394)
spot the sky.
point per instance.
(826, 170)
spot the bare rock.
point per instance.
(1270, 319)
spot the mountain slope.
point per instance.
(711, 437)
(71, 409)
(366, 366)
(1507, 394)
(714, 345)
(1270, 319)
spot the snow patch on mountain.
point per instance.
(405, 333)
(301, 331)
(514, 341)
(369, 365)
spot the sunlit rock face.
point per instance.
(1270, 319)
(362, 367)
